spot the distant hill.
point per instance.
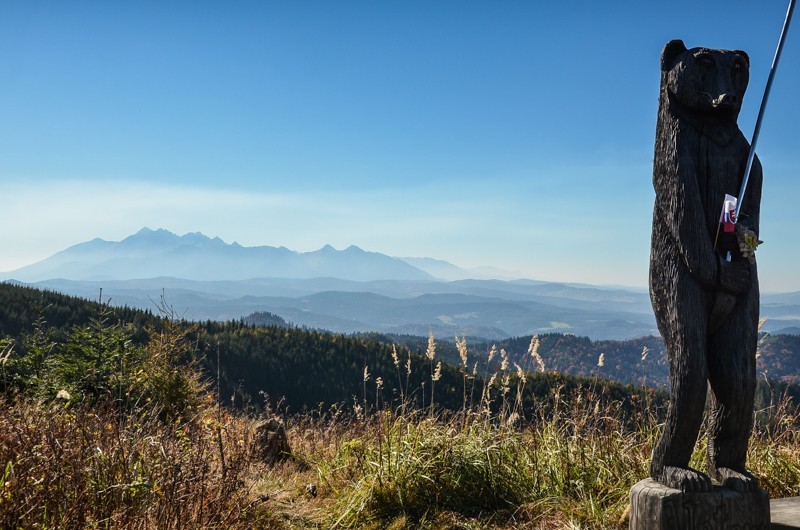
(263, 318)
(780, 358)
(444, 270)
(492, 309)
(791, 330)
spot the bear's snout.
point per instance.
(726, 100)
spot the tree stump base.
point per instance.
(658, 507)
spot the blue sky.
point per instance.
(512, 134)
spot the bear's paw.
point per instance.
(737, 480)
(685, 479)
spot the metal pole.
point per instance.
(757, 130)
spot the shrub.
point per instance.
(100, 362)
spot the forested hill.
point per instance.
(307, 368)
(21, 307)
(303, 368)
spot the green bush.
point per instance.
(100, 361)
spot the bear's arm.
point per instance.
(681, 210)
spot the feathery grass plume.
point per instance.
(492, 355)
(396, 362)
(378, 387)
(534, 345)
(431, 351)
(522, 379)
(533, 349)
(521, 373)
(461, 345)
(437, 374)
(366, 378)
(504, 360)
(645, 351)
(493, 380)
(408, 377)
(487, 390)
(601, 361)
(473, 378)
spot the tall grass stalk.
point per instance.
(430, 353)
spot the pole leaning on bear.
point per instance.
(767, 89)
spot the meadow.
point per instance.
(144, 441)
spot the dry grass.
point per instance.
(483, 467)
(94, 468)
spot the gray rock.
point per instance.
(272, 444)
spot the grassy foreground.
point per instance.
(570, 464)
(92, 468)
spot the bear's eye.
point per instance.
(705, 58)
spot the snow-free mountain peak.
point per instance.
(194, 256)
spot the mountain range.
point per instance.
(350, 290)
(194, 256)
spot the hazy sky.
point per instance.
(513, 134)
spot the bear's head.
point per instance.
(703, 80)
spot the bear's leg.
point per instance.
(685, 339)
(732, 374)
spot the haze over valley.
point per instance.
(350, 290)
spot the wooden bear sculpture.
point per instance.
(706, 307)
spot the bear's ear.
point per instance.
(743, 54)
(671, 52)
